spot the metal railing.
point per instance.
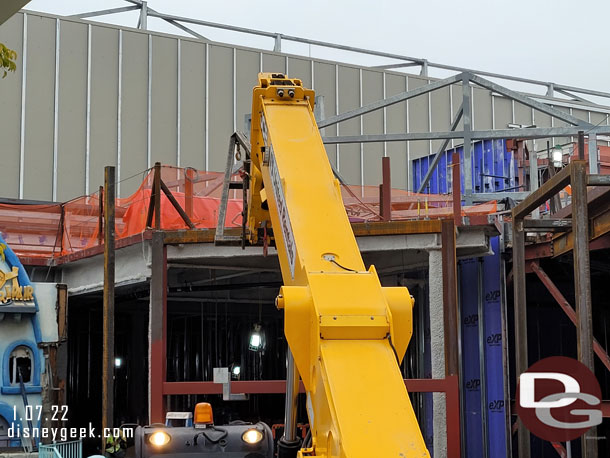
(72, 449)
(399, 61)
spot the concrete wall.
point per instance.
(97, 94)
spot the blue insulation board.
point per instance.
(484, 271)
(494, 169)
(471, 374)
(494, 367)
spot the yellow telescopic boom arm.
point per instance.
(347, 333)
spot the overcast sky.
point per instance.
(564, 41)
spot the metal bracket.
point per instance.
(240, 141)
(221, 375)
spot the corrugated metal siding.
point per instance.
(183, 115)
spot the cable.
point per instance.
(343, 267)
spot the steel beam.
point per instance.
(499, 134)
(514, 95)
(389, 101)
(547, 224)
(157, 329)
(582, 282)
(385, 191)
(520, 310)
(439, 152)
(598, 180)
(450, 309)
(105, 12)
(108, 300)
(543, 193)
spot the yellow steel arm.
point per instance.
(347, 333)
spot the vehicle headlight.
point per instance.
(252, 436)
(159, 438)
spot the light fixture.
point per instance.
(235, 371)
(252, 436)
(159, 438)
(256, 339)
(118, 362)
(557, 156)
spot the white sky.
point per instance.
(563, 41)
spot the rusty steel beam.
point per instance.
(100, 220)
(188, 191)
(599, 226)
(543, 193)
(385, 191)
(108, 301)
(154, 205)
(582, 281)
(568, 310)
(450, 309)
(520, 310)
(177, 206)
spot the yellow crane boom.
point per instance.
(346, 332)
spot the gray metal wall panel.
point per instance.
(599, 119)
(104, 102)
(192, 104)
(420, 115)
(349, 98)
(503, 112)
(72, 127)
(523, 114)
(396, 122)
(482, 109)
(560, 123)
(324, 84)
(11, 33)
(274, 63)
(456, 95)
(164, 99)
(39, 108)
(300, 68)
(440, 107)
(418, 118)
(248, 63)
(220, 102)
(134, 110)
(372, 90)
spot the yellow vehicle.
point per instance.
(347, 334)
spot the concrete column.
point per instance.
(437, 345)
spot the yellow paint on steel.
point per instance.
(347, 333)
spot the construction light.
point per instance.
(236, 371)
(252, 436)
(557, 156)
(159, 438)
(118, 362)
(256, 339)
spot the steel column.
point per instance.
(385, 191)
(440, 151)
(593, 159)
(582, 282)
(520, 310)
(157, 328)
(450, 309)
(467, 115)
(108, 301)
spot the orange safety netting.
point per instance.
(57, 229)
